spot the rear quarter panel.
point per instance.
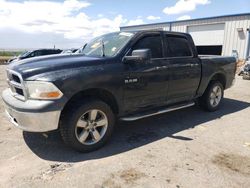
(212, 65)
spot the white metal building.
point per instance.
(222, 35)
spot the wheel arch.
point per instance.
(93, 93)
(207, 78)
(221, 77)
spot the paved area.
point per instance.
(185, 148)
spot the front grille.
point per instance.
(19, 91)
(16, 78)
(15, 82)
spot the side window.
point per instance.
(52, 52)
(38, 53)
(31, 54)
(151, 42)
(49, 52)
(178, 47)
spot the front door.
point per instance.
(145, 82)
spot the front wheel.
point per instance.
(213, 96)
(87, 127)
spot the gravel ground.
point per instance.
(185, 148)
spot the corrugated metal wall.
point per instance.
(233, 39)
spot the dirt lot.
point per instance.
(185, 148)
(3, 59)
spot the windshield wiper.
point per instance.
(103, 49)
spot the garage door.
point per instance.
(207, 35)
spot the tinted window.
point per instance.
(54, 51)
(32, 54)
(151, 42)
(45, 52)
(51, 52)
(178, 47)
(38, 53)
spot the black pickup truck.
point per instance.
(35, 53)
(122, 75)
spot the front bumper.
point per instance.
(32, 115)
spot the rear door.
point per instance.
(184, 69)
(145, 85)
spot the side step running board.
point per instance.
(169, 109)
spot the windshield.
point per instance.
(24, 54)
(107, 45)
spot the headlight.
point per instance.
(42, 90)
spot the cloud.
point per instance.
(183, 6)
(60, 18)
(185, 17)
(135, 22)
(16, 39)
(153, 17)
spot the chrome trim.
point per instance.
(33, 122)
(20, 85)
(12, 120)
(134, 118)
(15, 84)
(31, 115)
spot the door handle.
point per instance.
(162, 67)
(194, 65)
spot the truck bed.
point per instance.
(214, 64)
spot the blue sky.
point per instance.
(71, 23)
(134, 8)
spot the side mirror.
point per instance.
(142, 55)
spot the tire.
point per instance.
(81, 128)
(211, 100)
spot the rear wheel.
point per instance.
(87, 127)
(213, 96)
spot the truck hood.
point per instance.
(38, 65)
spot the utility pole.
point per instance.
(248, 44)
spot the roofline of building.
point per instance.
(196, 19)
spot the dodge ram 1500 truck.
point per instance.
(121, 75)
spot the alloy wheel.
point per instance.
(91, 127)
(215, 96)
